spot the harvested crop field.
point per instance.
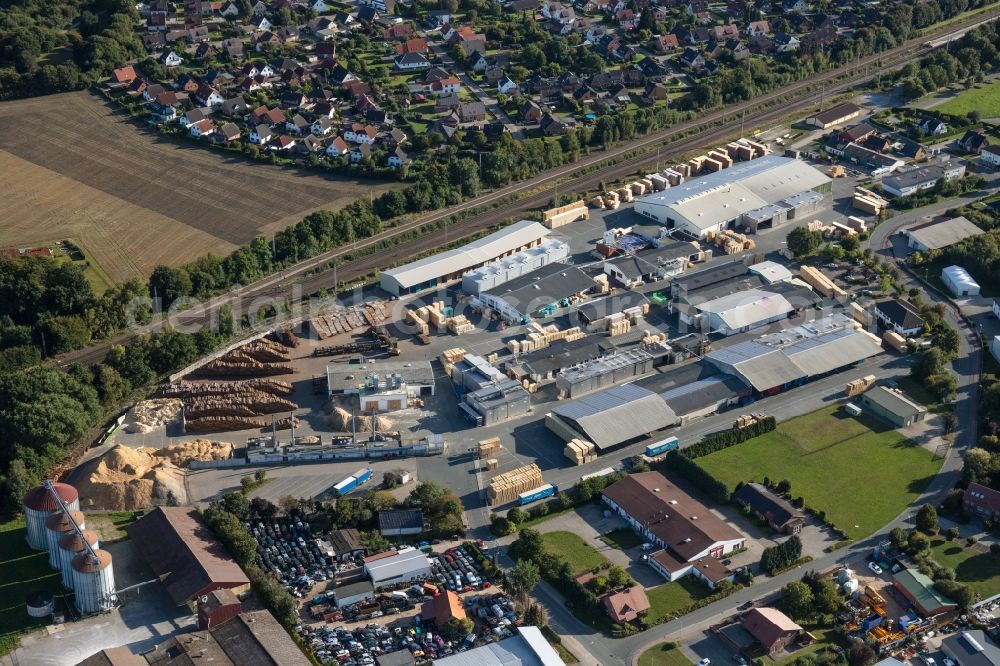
(74, 168)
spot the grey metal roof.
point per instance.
(937, 235)
(825, 353)
(354, 589)
(711, 275)
(703, 393)
(469, 256)
(565, 353)
(601, 308)
(617, 415)
(972, 648)
(396, 519)
(747, 308)
(893, 401)
(924, 174)
(545, 286)
(525, 650)
(724, 195)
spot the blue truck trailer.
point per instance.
(541, 492)
(659, 448)
(352, 482)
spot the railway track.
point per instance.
(714, 126)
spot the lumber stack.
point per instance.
(506, 487)
(222, 424)
(895, 340)
(190, 389)
(859, 386)
(557, 217)
(460, 325)
(580, 452)
(618, 324)
(489, 448)
(345, 320)
(286, 337)
(245, 369)
(239, 403)
(413, 317)
(492, 464)
(452, 356)
(649, 338)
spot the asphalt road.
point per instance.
(294, 283)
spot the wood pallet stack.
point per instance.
(580, 452)
(489, 448)
(529, 386)
(618, 324)
(597, 202)
(652, 338)
(460, 325)
(452, 356)
(492, 464)
(506, 487)
(859, 386)
(625, 194)
(611, 200)
(345, 320)
(413, 317)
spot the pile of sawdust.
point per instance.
(150, 414)
(125, 479)
(339, 419)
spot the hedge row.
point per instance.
(727, 438)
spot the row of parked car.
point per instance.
(455, 570)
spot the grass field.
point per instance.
(574, 550)
(857, 470)
(72, 168)
(671, 597)
(975, 566)
(623, 538)
(22, 571)
(664, 654)
(826, 639)
(982, 98)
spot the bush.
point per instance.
(782, 556)
(725, 439)
(696, 474)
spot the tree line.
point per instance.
(98, 34)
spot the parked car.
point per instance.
(876, 569)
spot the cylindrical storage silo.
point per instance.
(38, 504)
(70, 546)
(56, 527)
(41, 604)
(93, 582)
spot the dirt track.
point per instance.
(134, 199)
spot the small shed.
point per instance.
(893, 406)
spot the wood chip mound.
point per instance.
(339, 419)
(126, 479)
(148, 415)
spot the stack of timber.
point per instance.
(489, 448)
(345, 320)
(859, 386)
(580, 452)
(506, 487)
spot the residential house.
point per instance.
(653, 68)
(494, 75)
(163, 113)
(325, 110)
(337, 147)
(723, 32)
(990, 155)
(692, 60)
(973, 141)
(664, 43)
(911, 181)
(553, 126)
(234, 106)
(447, 86)
(396, 137)
(201, 128)
(899, 316)
(530, 112)
(271, 117)
(361, 152)
(758, 28)
(154, 41)
(171, 59)
(795, 6)
(233, 48)
(284, 142)
(291, 99)
(655, 92)
(857, 133)
(470, 112)
(402, 30)
(626, 605)
(771, 629)
(507, 86)
(415, 45)
(933, 127)
(446, 103)
(982, 501)
(230, 10)
(368, 15)
(439, 17)
(124, 75)
(362, 134)
(377, 117)
(627, 19)
(297, 125)
(260, 135)
(384, 6)
(209, 96)
(911, 149)
(494, 131)
(320, 6)
(398, 158)
(307, 145)
(228, 132)
(410, 61)
(321, 127)
(260, 24)
(779, 513)
(195, 116)
(784, 42)
(149, 92)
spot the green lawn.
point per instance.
(826, 639)
(983, 98)
(22, 571)
(623, 538)
(574, 550)
(857, 470)
(671, 597)
(664, 654)
(975, 566)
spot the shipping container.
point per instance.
(548, 490)
(601, 472)
(662, 447)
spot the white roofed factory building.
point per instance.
(450, 265)
(749, 195)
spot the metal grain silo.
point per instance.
(70, 546)
(93, 582)
(56, 527)
(38, 504)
